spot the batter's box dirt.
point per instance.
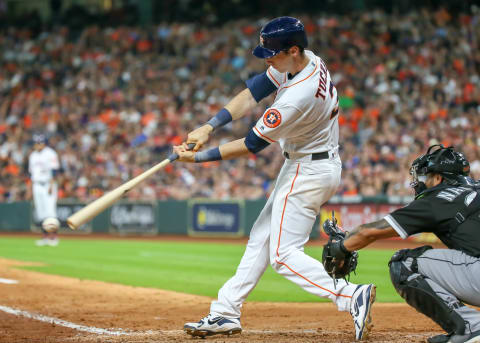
(138, 314)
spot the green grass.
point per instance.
(196, 268)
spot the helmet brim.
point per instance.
(262, 52)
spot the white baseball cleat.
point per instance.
(41, 242)
(213, 325)
(360, 308)
(53, 242)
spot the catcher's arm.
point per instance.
(339, 255)
(365, 234)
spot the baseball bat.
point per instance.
(94, 208)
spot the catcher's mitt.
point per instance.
(337, 260)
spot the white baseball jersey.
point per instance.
(303, 118)
(42, 163)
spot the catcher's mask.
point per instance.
(450, 164)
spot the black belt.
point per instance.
(315, 156)
(41, 183)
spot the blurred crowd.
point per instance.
(114, 100)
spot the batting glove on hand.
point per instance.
(199, 136)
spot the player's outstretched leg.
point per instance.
(213, 325)
(360, 309)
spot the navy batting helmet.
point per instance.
(39, 138)
(280, 34)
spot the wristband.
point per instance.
(209, 155)
(221, 118)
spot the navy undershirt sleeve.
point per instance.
(254, 143)
(260, 86)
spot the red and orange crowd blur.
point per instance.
(114, 100)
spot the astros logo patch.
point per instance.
(272, 118)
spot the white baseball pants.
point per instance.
(280, 233)
(45, 202)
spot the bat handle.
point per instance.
(173, 156)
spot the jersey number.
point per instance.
(335, 110)
(321, 92)
(322, 89)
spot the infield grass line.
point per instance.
(199, 268)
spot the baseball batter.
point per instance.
(303, 119)
(43, 164)
(436, 282)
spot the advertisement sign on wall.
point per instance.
(216, 218)
(133, 218)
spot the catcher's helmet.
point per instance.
(280, 34)
(452, 165)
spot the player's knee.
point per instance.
(279, 257)
(403, 264)
(400, 269)
(275, 264)
(276, 260)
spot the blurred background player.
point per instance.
(43, 165)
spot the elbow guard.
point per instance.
(254, 143)
(260, 86)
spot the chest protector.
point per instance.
(464, 228)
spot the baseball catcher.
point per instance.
(436, 282)
(338, 261)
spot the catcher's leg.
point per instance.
(423, 294)
(459, 275)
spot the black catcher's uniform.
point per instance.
(438, 282)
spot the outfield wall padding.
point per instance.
(15, 216)
(172, 216)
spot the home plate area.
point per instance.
(50, 308)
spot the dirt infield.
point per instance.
(59, 309)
